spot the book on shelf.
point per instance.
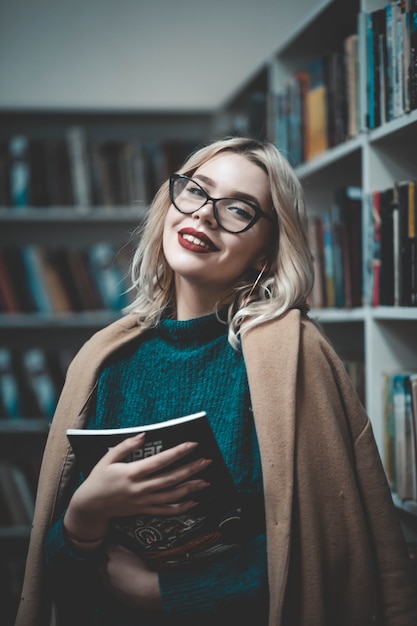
(407, 226)
(218, 523)
(363, 118)
(413, 391)
(38, 164)
(19, 172)
(405, 445)
(79, 166)
(335, 77)
(375, 247)
(328, 256)
(413, 55)
(8, 297)
(350, 46)
(15, 268)
(376, 31)
(10, 392)
(316, 138)
(40, 381)
(400, 432)
(109, 275)
(386, 280)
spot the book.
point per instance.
(405, 449)
(19, 171)
(316, 137)
(413, 392)
(10, 399)
(219, 522)
(351, 69)
(407, 244)
(386, 275)
(79, 167)
(40, 381)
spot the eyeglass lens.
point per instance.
(232, 214)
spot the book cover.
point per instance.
(215, 525)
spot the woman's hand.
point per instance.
(130, 580)
(116, 488)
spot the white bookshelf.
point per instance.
(384, 337)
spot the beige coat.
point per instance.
(335, 550)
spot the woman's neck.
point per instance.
(192, 302)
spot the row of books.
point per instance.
(400, 412)
(56, 280)
(335, 239)
(369, 80)
(391, 53)
(390, 269)
(31, 381)
(77, 171)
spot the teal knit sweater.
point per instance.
(176, 369)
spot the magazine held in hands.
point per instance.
(220, 522)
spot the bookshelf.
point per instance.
(373, 156)
(49, 222)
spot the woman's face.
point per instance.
(202, 255)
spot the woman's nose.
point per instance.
(206, 214)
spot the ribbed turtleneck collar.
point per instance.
(198, 331)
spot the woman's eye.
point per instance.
(196, 191)
(241, 212)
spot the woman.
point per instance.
(222, 276)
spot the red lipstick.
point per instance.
(195, 240)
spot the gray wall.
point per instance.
(133, 54)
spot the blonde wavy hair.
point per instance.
(283, 284)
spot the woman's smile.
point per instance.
(195, 241)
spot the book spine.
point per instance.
(19, 172)
(80, 175)
(363, 71)
(40, 381)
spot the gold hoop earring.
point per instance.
(258, 278)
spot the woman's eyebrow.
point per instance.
(237, 194)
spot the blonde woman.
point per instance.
(220, 323)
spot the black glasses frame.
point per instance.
(258, 212)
